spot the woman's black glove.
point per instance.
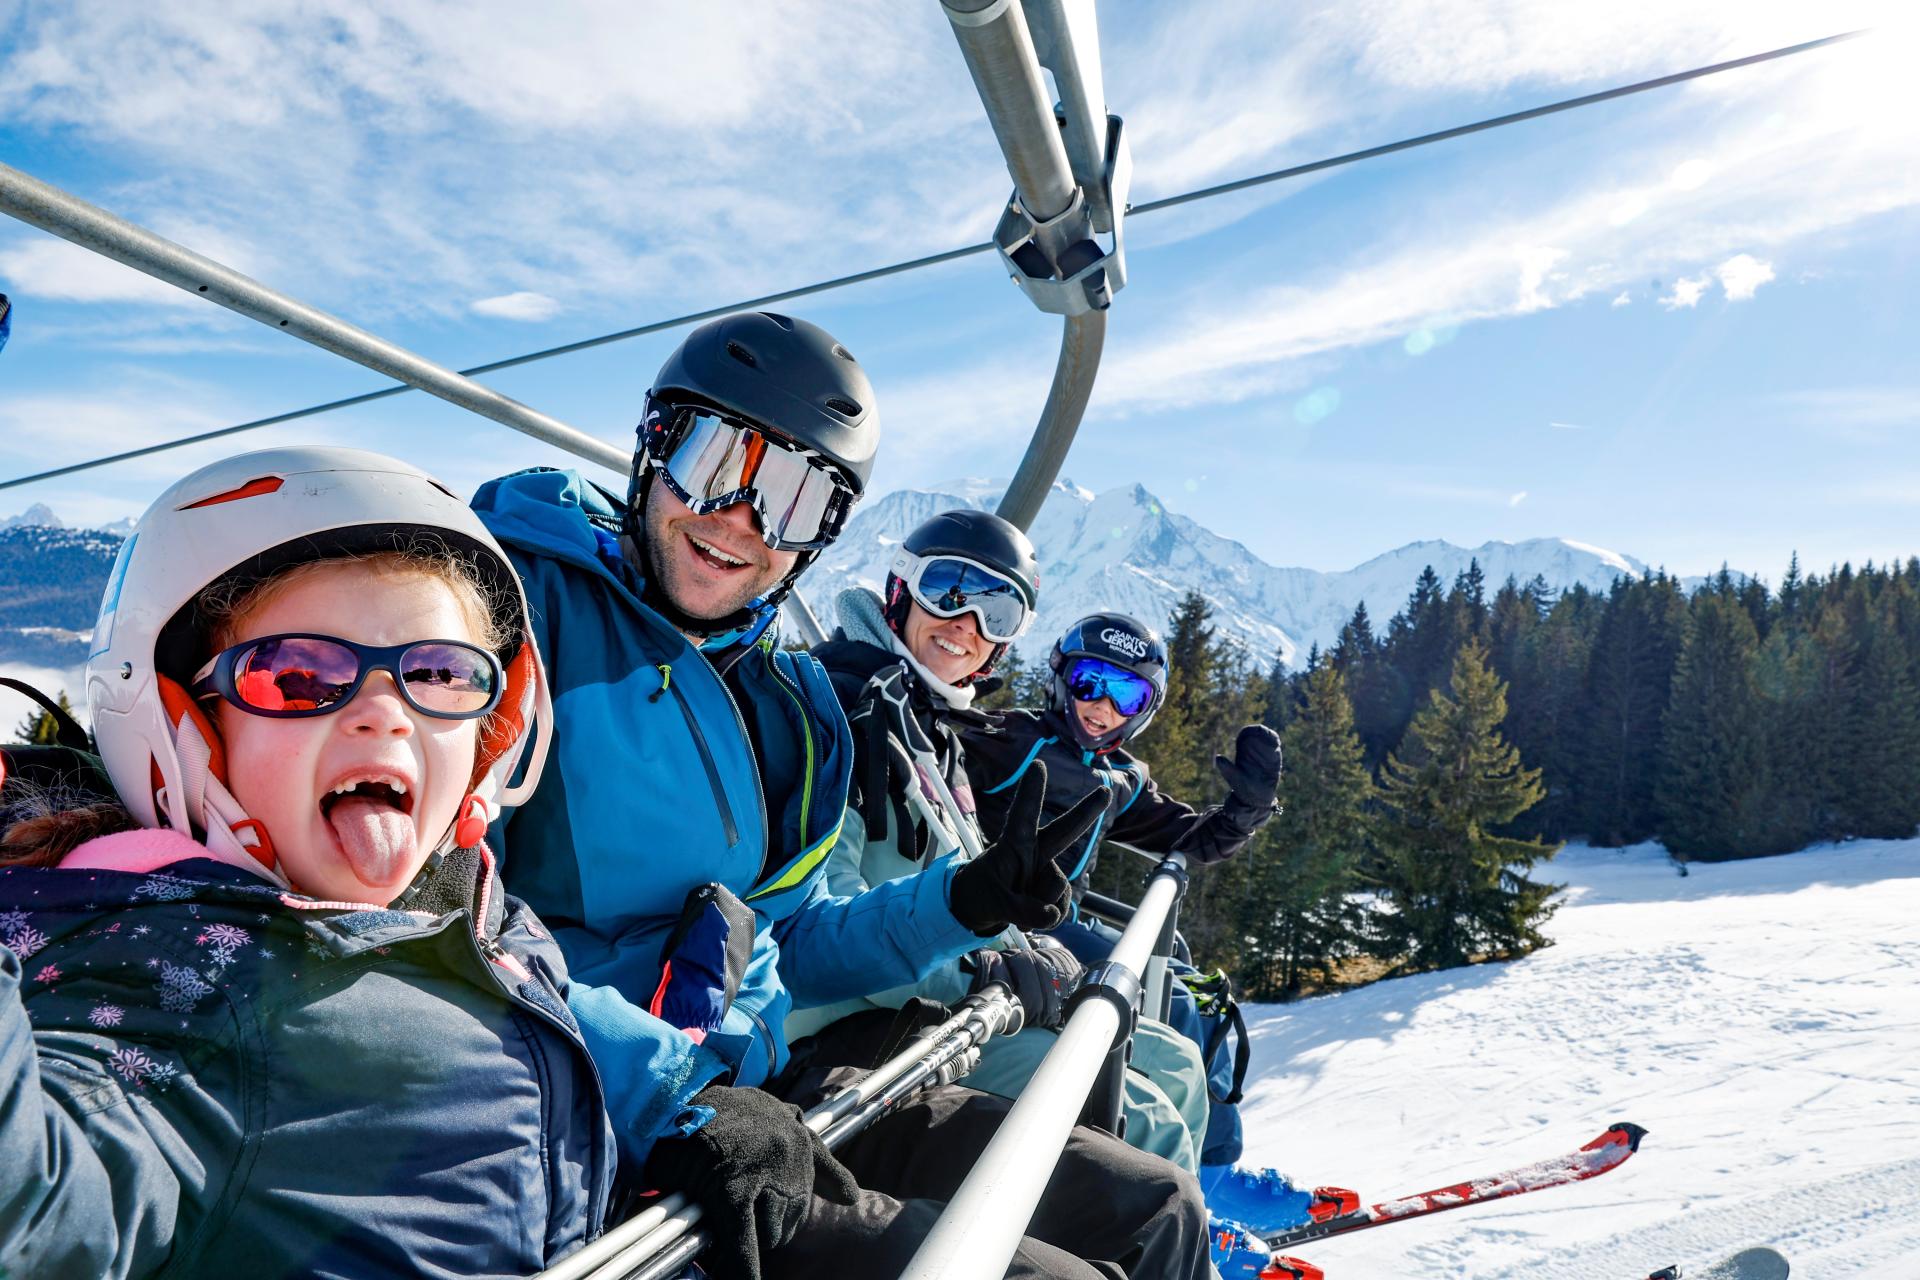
(1016, 880)
(1040, 979)
(751, 1170)
(1253, 775)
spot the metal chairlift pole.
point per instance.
(664, 1237)
(1070, 176)
(71, 218)
(977, 1235)
(46, 206)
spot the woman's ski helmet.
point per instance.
(1124, 641)
(236, 523)
(977, 538)
(782, 376)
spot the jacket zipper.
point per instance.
(805, 706)
(496, 954)
(727, 822)
(746, 740)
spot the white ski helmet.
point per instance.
(242, 520)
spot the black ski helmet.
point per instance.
(779, 373)
(786, 375)
(1124, 641)
(979, 536)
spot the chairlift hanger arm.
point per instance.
(914, 264)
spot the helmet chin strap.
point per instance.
(210, 806)
(1061, 701)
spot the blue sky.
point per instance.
(1679, 326)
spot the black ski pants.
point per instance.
(1108, 1211)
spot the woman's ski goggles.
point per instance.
(288, 676)
(711, 462)
(1091, 679)
(948, 586)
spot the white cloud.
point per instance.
(1472, 45)
(55, 269)
(1687, 292)
(1536, 269)
(1855, 407)
(1517, 498)
(1477, 495)
(519, 306)
(1628, 209)
(1742, 274)
(1690, 175)
(361, 142)
(1787, 164)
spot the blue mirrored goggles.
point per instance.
(1091, 679)
(948, 586)
(286, 677)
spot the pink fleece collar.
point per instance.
(146, 850)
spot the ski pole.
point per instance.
(925, 1057)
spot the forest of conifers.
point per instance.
(1432, 763)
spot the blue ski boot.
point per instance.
(1265, 1202)
(1238, 1254)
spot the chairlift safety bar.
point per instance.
(976, 1236)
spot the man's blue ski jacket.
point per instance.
(671, 795)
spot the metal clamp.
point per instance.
(1056, 261)
(1119, 986)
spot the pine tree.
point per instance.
(1628, 684)
(40, 729)
(1457, 887)
(1211, 692)
(1545, 666)
(1879, 791)
(1712, 792)
(1420, 639)
(1466, 610)
(1302, 868)
(1375, 686)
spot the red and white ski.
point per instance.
(1608, 1151)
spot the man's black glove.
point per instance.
(1016, 880)
(751, 1170)
(1040, 979)
(1253, 775)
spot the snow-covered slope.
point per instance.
(1123, 550)
(1760, 1018)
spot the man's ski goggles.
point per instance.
(947, 586)
(288, 676)
(1091, 679)
(711, 462)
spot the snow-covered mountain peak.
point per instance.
(1122, 549)
(39, 514)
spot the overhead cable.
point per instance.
(934, 259)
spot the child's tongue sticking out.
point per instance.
(376, 836)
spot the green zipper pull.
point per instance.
(666, 679)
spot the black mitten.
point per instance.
(1253, 775)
